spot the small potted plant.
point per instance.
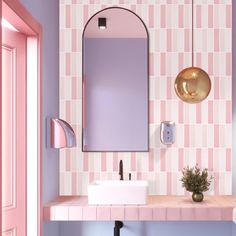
(196, 181)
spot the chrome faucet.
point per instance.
(121, 170)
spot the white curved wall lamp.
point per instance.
(61, 134)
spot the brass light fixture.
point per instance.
(192, 85)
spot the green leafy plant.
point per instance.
(196, 181)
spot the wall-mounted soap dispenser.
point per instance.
(167, 132)
(60, 134)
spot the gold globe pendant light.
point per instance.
(192, 85)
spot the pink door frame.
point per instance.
(32, 28)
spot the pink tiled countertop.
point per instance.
(159, 208)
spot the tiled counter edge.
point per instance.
(159, 208)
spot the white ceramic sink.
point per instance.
(115, 192)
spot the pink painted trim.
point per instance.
(33, 29)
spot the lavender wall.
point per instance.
(47, 14)
(116, 94)
(148, 228)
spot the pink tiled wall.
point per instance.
(203, 130)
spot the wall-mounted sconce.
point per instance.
(61, 134)
(102, 23)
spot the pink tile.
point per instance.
(74, 40)
(74, 88)
(228, 112)
(198, 113)
(187, 214)
(227, 214)
(91, 177)
(198, 16)
(210, 112)
(181, 159)
(210, 16)
(228, 16)
(187, 40)
(145, 213)
(169, 183)
(217, 183)
(68, 64)
(85, 163)
(216, 40)
(181, 112)
(216, 136)
(201, 213)
(163, 64)
(85, 14)
(181, 61)
(168, 88)
(68, 16)
(210, 159)
(103, 161)
(151, 16)
(131, 213)
(151, 64)
(133, 161)
(139, 175)
(216, 88)
(198, 59)
(214, 213)
(163, 16)
(103, 213)
(151, 112)
(89, 213)
(115, 161)
(181, 16)
(186, 135)
(151, 160)
(68, 159)
(163, 110)
(169, 40)
(228, 64)
(133, 8)
(74, 183)
(210, 64)
(159, 213)
(228, 159)
(75, 213)
(60, 213)
(163, 159)
(117, 213)
(173, 214)
(199, 157)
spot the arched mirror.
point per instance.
(115, 82)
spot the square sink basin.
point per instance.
(118, 192)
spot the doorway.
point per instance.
(20, 121)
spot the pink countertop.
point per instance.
(159, 208)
